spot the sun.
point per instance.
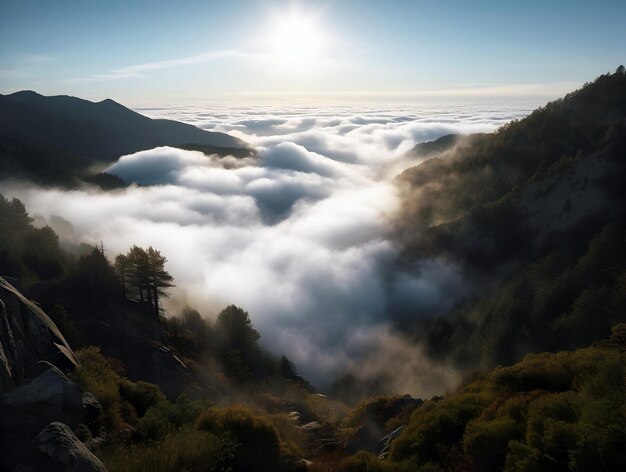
(296, 39)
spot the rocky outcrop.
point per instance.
(27, 335)
(39, 406)
(48, 397)
(372, 434)
(29, 409)
(384, 445)
(59, 450)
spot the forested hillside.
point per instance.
(534, 214)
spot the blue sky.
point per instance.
(204, 52)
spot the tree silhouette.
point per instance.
(237, 343)
(287, 369)
(142, 273)
(139, 273)
(94, 278)
(123, 267)
(158, 278)
(235, 326)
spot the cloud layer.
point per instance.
(298, 236)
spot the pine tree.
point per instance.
(139, 274)
(158, 278)
(236, 328)
(143, 271)
(123, 268)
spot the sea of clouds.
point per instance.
(298, 235)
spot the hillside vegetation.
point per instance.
(549, 412)
(534, 216)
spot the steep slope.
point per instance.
(27, 335)
(41, 410)
(550, 412)
(571, 137)
(59, 137)
(534, 214)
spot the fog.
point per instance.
(299, 236)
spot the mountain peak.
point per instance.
(108, 101)
(24, 94)
(58, 122)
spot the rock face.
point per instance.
(48, 397)
(37, 419)
(39, 405)
(27, 335)
(60, 450)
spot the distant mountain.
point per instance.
(534, 214)
(55, 138)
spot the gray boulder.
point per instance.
(92, 412)
(48, 397)
(61, 451)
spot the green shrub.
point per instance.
(259, 446)
(165, 417)
(142, 395)
(293, 439)
(384, 411)
(523, 458)
(549, 412)
(436, 427)
(486, 441)
(367, 462)
(325, 409)
(186, 450)
(95, 375)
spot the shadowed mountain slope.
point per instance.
(534, 215)
(55, 139)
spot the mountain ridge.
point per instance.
(84, 134)
(531, 213)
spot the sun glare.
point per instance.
(296, 39)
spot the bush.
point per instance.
(142, 395)
(165, 417)
(486, 441)
(141, 404)
(293, 439)
(186, 450)
(259, 446)
(367, 462)
(95, 375)
(325, 409)
(549, 412)
(437, 427)
(388, 412)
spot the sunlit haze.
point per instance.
(250, 51)
(312, 235)
(296, 40)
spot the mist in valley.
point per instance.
(299, 234)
